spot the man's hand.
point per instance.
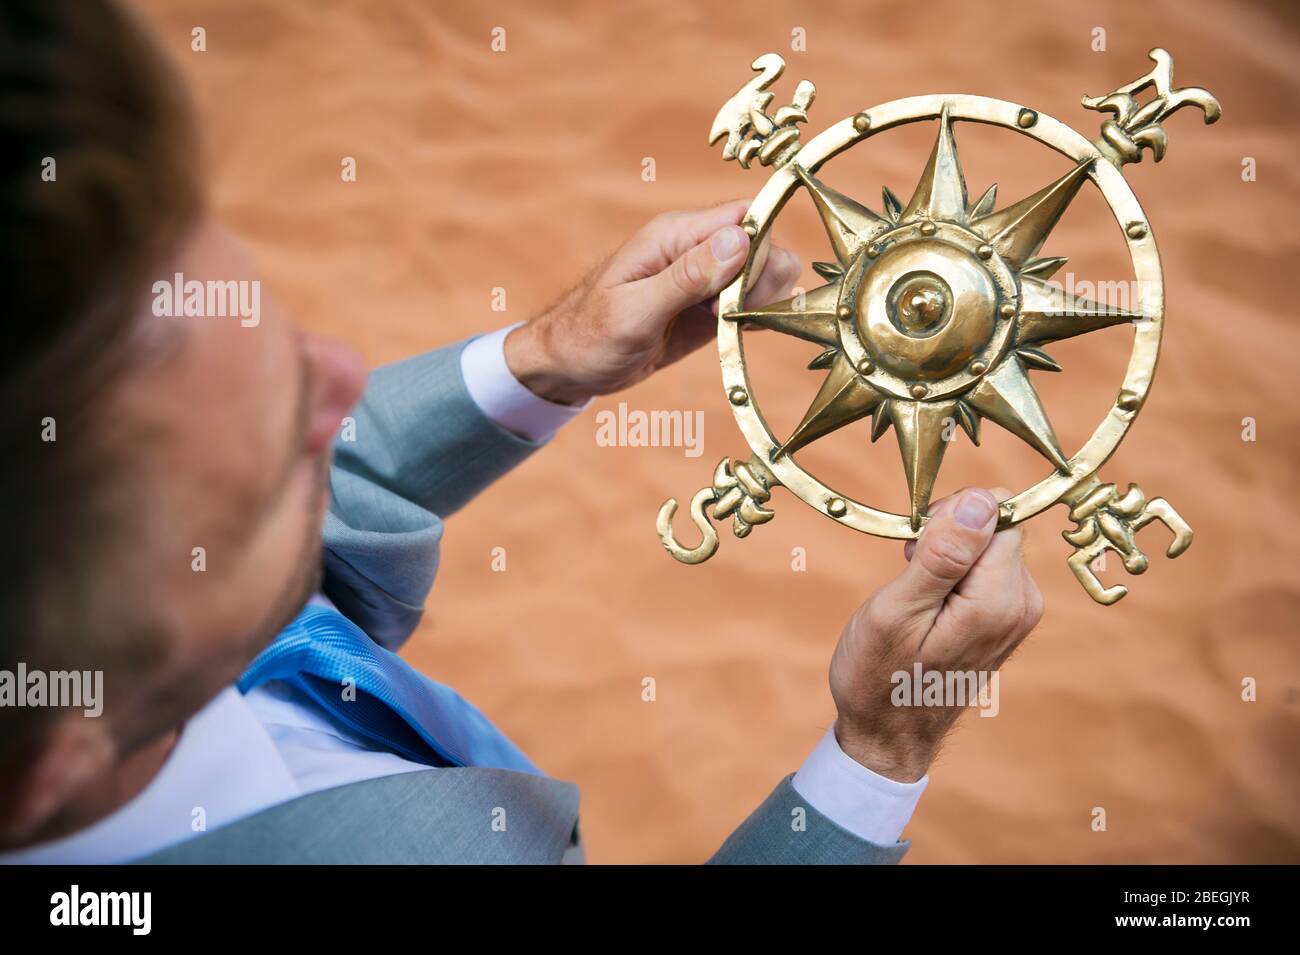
(965, 602)
(646, 307)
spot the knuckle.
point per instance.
(945, 557)
(618, 316)
(987, 621)
(791, 266)
(688, 274)
(662, 222)
(878, 616)
(1032, 612)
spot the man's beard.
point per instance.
(169, 704)
(308, 571)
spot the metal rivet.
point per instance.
(738, 396)
(751, 230)
(1008, 310)
(985, 251)
(836, 507)
(928, 228)
(978, 367)
(862, 122)
(1128, 400)
(1136, 230)
(866, 366)
(919, 391)
(1026, 118)
(873, 250)
(844, 312)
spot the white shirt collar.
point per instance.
(223, 767)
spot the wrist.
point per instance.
(533, 362)
(904, 758)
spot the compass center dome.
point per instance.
(925, 308)
(919, 304)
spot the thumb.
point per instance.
(952, 541)
(698, 274)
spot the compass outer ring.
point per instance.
(1142, 251)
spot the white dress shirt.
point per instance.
(243, 753)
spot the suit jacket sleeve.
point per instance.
(419, 450)
(785, 830)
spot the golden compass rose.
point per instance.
(936, 311)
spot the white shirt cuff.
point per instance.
(501, 396)
(853, 797)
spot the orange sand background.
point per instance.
(522, 169)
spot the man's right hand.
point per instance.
(652, 303)
(965, 602)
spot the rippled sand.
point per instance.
(522, 169)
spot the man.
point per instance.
(172, 481)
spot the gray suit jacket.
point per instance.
(422, 450)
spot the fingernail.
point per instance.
(974, 510)
(726, 243)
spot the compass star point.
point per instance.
(1008, 398)
(923, 428)
(1019, 231)
(1049, 313)
(849, 224)
(941, 191)
(810, 316)
(843, 398)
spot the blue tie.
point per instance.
(324, 653)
